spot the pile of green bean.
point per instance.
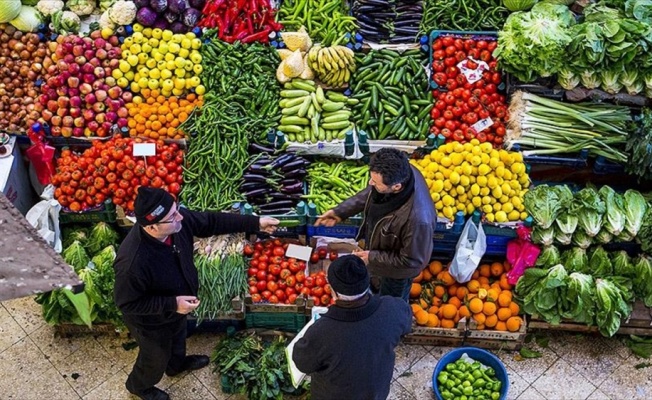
(240, 105)
(329, 184)
(327, 21)
(220, 280)
(463, 15)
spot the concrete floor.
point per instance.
(37, 365)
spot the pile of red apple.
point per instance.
(79, 96)
(275, 278)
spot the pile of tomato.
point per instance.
(277, 279)
(460, 104)
(109, 170)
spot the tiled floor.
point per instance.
(36, 365)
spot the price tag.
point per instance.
(472, 74)
(482, 124)
(298, 252)
(144, 149)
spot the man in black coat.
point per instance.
(156, 283)
(349, 351)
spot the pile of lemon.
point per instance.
(161, 60)
(475, 176)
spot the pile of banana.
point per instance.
(333, 65)
(310, 114)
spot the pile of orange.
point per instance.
(437, 300)
(158, 117)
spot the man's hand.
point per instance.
(363, 254)
(268, 224)
(329, 218)
(185, 304)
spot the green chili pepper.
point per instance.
(456, 391)
(468, 390)
(479, 383)
(477, 374)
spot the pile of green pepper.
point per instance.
(463, 15)
(330, 184)
(462, 380)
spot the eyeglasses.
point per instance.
(173, 219)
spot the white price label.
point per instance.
(472, 74)
(482, 125)
(144, 149)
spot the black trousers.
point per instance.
(160, 350)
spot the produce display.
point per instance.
(22, 57)
(467, 104)
(91, 253)
(599, 128)
(466, 377)
(274, 185)
(275, 278)
(109, 170)
(240, 106)
(331, 184)
(159, 59)
(383, 22)
(332, 65)
(244, 21)
(222, 274)
(77, 98)
(179, 16)
(393, 92)
(467, 15)
(155, 116)
(310, 114)
(475, 176)
(585, 217)
(254, 367)
(437, 300)
(328, 22)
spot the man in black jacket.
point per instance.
(399, 221)
(156, 283)
(349, 351)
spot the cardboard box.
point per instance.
(340, 246)
(14, 180)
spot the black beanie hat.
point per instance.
(152, 205)
(348, 275)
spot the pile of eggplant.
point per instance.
(273, 185)
(394, 21)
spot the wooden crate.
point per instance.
(466, 335)
(639, 323)
(69, 330)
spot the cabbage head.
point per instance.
(642, 279)
(580, 292)
(635, 207)
(548, 257)
(576, 259)
(615, 216)
(599, 263)
(622, 265)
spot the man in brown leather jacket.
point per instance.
(399, 221)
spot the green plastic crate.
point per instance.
(104, 213)
(288, 322)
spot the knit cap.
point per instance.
(152, 205)
(348, 275)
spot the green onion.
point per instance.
(547, 126)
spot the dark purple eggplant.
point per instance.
(247, 177)
(277, 211)
(277, 204)
(256, 192)
(252, 185)
(284, 196)
(298, 163)
(259, 168)
(282, 160)
(296, 188)
(257, 148)
(295, 173)
(290, 181)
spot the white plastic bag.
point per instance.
(470, 249)
(44, 217)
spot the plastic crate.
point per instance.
(288, 322)
(476, 35)
(545, 87)
(577, 161)
(603, 166)
(345, 230)
(104, 213)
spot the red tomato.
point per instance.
(273, 299)
(332, 256)
(253, 290)
(295, 267)
(280, 294)
(320, 281)
(261, 285)
(316, 300)
(279, 251)
(290, 281)
(256, 298)
(292, 298)
(305, 290)
(252, 271)
(301, 276)
(309, 282)
(272, 286)
(261, 275)
(325, 299)
(317, 291)
(275, 269)
(314, 258)
(262, 266)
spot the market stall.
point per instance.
(529, 120)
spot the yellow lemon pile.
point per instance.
(161, 60)
(474, 176)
